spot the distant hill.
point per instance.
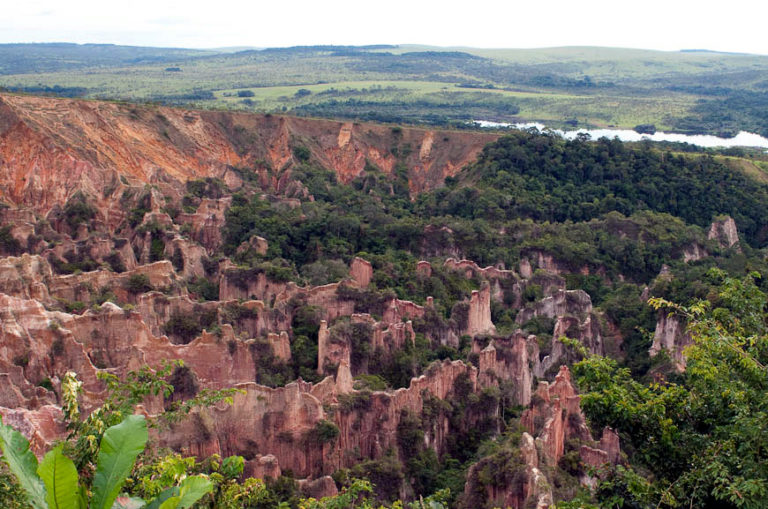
(59, 56)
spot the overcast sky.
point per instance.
(735, 25)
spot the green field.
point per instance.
(578, 86)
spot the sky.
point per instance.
(736, 25)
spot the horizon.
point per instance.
(383, 46)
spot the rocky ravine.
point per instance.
(119, 318)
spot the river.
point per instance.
(743, 139)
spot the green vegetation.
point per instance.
(91, 468)
(138, 283)
(700, 438)
(690, 91)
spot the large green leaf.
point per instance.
(23, 464)
(171, 503)
(193, 489)
(120, 446)
(184, 495)
(158, 501)
(61, 481)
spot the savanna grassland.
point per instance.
(686, 91)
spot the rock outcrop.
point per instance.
(671, 336)
(563, 302)
(724, 232)
(479, 315)
(361, 272)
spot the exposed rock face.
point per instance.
(207, 222)
(280, 344)
(399, 310)
(479, 316)
(318, 488)
(258, 244)
(272, 420)
(471, 269)
(564, 302)
(523, 485)
(191, 256)
(53, 147)
(586, 332)
(424, 268)
(26, 276)
(671, 335)
(694, 252)
(249, 284)
(724, 232)
(262, 467)
(361, 272)
(509, 359)
(555, 416)
(42, 427)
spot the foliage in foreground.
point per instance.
(700, 442)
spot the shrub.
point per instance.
(8, 244)
(185, 327)
(77, 211)
(302, 153)
(138, 283)
(324, 432)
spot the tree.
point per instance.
(703, 440)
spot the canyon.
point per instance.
(118, 291)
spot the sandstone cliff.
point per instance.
(51, 148)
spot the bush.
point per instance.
(302, 153)
(324, 432)
(185, 327)
(77, 211)
(138, 283)
(8, 244)
(204, 289)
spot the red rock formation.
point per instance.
(42, 427)
(509, 359)
(398, 310)
(555, 416)
(694, 252)
(524, 486)
(54, 147)
(262, 467)
(274, 421)
(424, 268)
(190, 254)
(318, 488)
(207, 222)
(479, 316)
(258, 244)
(361, 272)
(471, 269)
(586, 332)
(281, 346)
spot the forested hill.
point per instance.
(547, 178)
